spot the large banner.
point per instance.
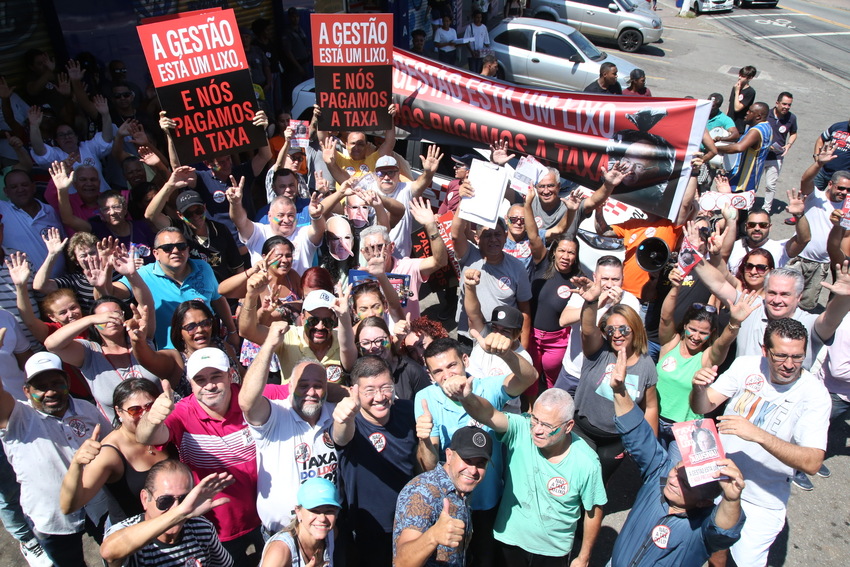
(201, 75)
(352, 63)
(577, 133)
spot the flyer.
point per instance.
(699, 444)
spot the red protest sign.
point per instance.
(352, 61)
(201, 75)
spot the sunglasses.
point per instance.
(328, 322)
(760, 268)
(171, 246)
(706, 308)
(194, 212)
(622, 330)
(137, 411)
(166, 501)
(517, 220)
(386, 173)
(190, 327)
(460, 166)
(758, 224)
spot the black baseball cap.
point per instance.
(187, 199)
(465, 160)
(472, 443)
(507, 317)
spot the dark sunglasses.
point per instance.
(328, 322)
(171, 246)
(517, 220)
(166, 501)
(190, 327)
(703, 306)
(137, 411)
(758, 224)
(623, 330)
(760, 268)
(388, 173)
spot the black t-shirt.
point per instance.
(594, 87)
(219, 250)
(549, 297)
(409, 378)
(208, 185)
(747, 97)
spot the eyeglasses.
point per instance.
(758, 224)
(296, 157)
(328, 322)
(546, 185)
(552, 429)
(622, 330)
(371, 391)
(190, 327)
(137, 411)
(704, 307)
(122, 95)
(386, 172)
(194, 212)
(760, 268)
(637, 167)
(166, 501)
(168, 248)
(517, 220)
(782, 357)
(112, 208)
(366, 344)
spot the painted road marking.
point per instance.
(786, 35)
(827, 20)
(764, 15)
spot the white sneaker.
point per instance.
(35, 555)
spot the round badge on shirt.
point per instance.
(378, 441)
(754, 383)
(660, 536)
(564, 291)
(557, 486)
(219, 196)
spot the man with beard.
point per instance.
(40, 437)
(166, 534)
(26, 218)
(376, 437)
(292, 435)
(757, 235)
(282, 222)
(607, 83)
(776, 421)
(209, 431)
(316, 340)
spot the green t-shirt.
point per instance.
(675, 380)
(542, 501)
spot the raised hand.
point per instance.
(465, 189)
(126, 128)
(721, 183)
(19, 268)
(341, 304)
(705, 376)
(347, 408)
(101, 105)
(162, 406)
(260, 119)
(432, 161)
(499, 152)
(5, 90)
(89, 449)
(200, 500)
(315, 208)
(458, 387)
(124, 261)
(421, 211)
(165, 122)
(63, 84)
(826, 153)
(676, 277)
(148, 156)
(573, 201)
(96, 270)
(62, 175)
(448, 531)
(402, 328)
(471, 277)
(589, 290)
(796, 202)
(322, 185)
(841, 285)
(329, 150)
(494, 343)
(34, 116)
(106, 247)
(375, 265)
(276, 332)
(615, 174)
(618, 374)
(140, 137)
(137, 325)
(733, 483)
(75, 72)
(234, 192)
(742, 308)
(392, 109)
(424, 423)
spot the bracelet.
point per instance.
(733, 327)
(434, 236)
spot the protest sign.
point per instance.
(577, 133)
(300, 133)
(201, 75)
(689, 256)
(353, 66)
(700, 447)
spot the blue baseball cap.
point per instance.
(318, 492)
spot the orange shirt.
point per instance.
(633, 232)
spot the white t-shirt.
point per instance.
(574, 359)
(442, 36)
(302, 255)
(479, 36)
(14, 343)
(818, 209)
(751, 335)
(776, 248)
(289, 452)
(91, 152)
(400, 233)
(797, 413)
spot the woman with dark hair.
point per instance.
(316, 278)
(376, 299)
(551, 287)
(118, 463)
(752, 271)
(687, 347)
(106, 361)
(373, 337)
(620, 329)
(193, 327)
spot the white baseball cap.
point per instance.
(317, 299)
(208, 357)
(386, 161)
(42, 362)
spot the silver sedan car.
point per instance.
(550, 54)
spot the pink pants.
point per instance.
(547, 349)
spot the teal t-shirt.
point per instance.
(543, 501)
(675, 381)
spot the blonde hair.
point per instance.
(640, 342)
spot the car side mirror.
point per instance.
(576, 58)
(613, 7)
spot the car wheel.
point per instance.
(697, 11)
(629, 40)
(500, 73)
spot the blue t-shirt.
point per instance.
(449, 416)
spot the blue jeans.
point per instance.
(839, 407)
(10, 502)
(66, 550)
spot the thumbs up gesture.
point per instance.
(448, 531)
(89, 449)
(348, 407)
(424, 423)
(162, 406)
(494, 343)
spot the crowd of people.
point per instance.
(228, 362)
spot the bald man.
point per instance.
(752, 147)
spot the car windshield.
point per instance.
(628, 5)
(586, 47)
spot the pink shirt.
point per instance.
(410, 267)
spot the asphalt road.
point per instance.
(699, 56)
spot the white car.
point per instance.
(550, 54)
